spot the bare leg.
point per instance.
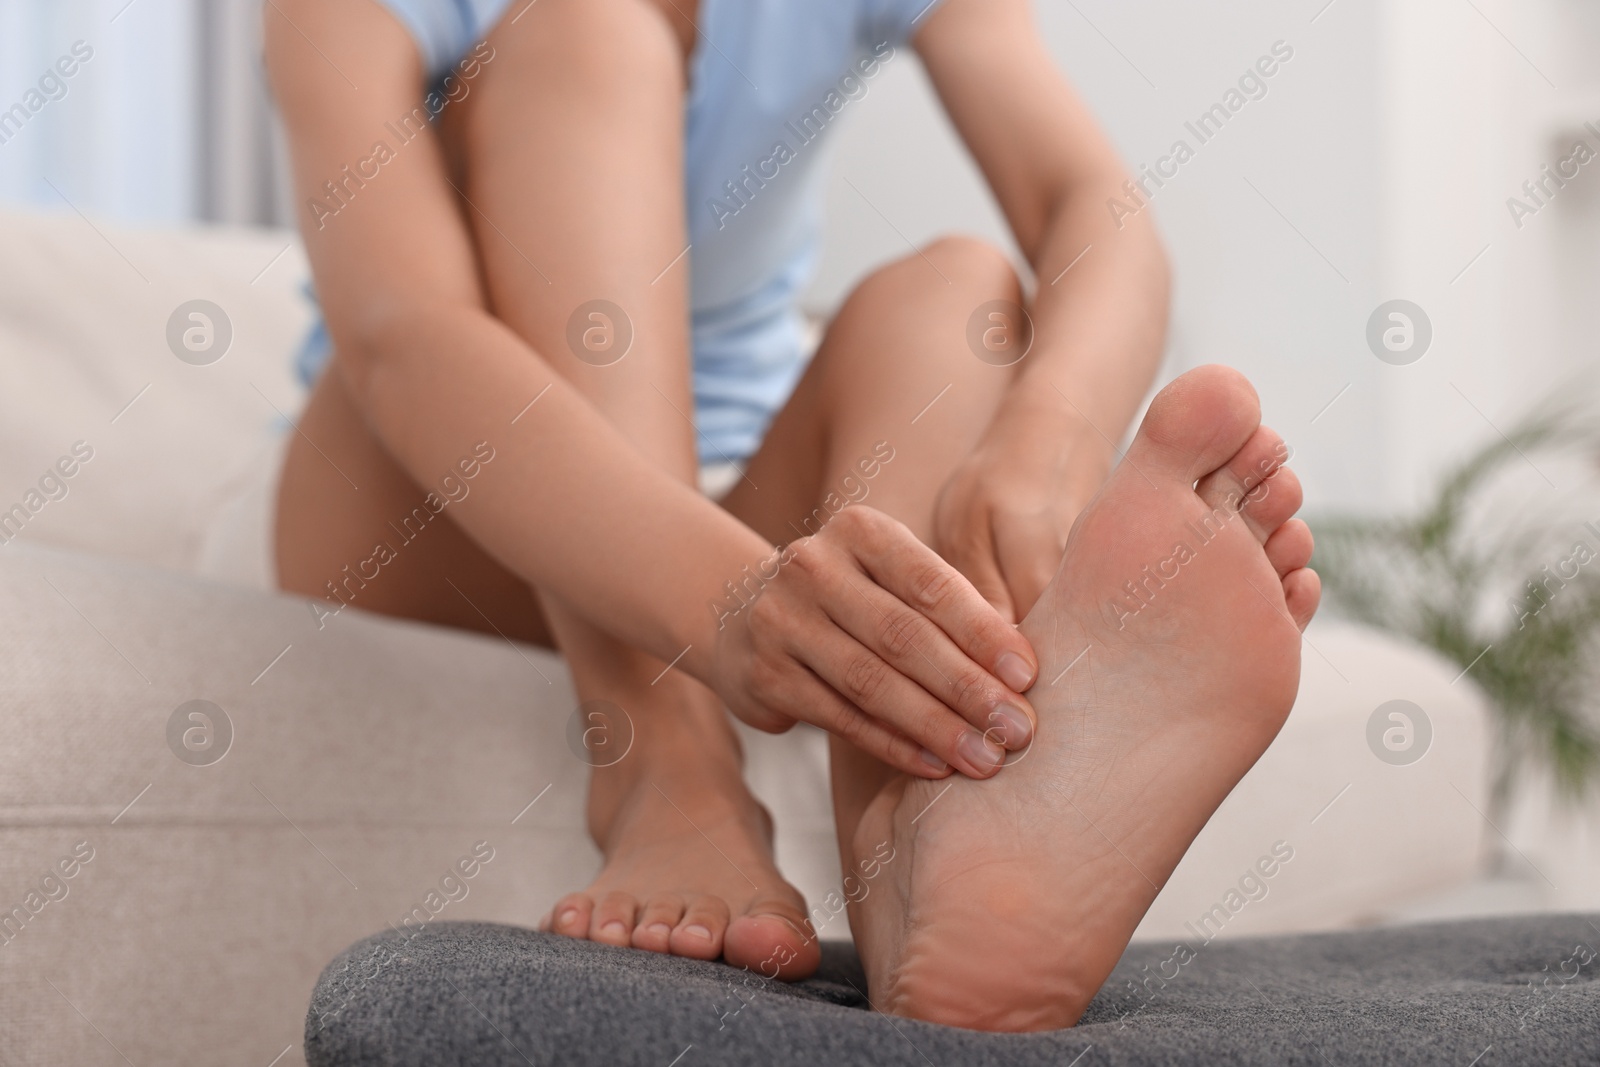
(326, 526)
(1003, 904)
(1170, 654)
(608, 230)
(689, 859)
(897, 346)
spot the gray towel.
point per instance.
(1485, 993)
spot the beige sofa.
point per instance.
(369, 756)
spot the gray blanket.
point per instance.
(1466, 994)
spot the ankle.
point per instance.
(694, 735)
(662, 724)
(683, 750)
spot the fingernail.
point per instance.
(1013, 670)
(934, 761)
(981, 754)
(1012, 726)
(699, 931)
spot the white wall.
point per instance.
(121, 142)
(1388, 142)
(167, 123)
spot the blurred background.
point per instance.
(1378, 166)
(1435, 152)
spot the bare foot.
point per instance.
(1170, 650)
(689, 866)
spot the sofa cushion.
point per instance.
(374, 753)
(85, 359)
(367, 759)
(1449, 993)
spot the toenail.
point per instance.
(659, 929)
(1014, 671)
(567, 917)
(1011, 726)
(614, 929)
(982, 755)
(932, 760)
(698, 931)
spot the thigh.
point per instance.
(352, 527)
(893, 400)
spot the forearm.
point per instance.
(566, 503)
(1100, 318)
(1100, 308)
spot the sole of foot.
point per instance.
(1170, 649)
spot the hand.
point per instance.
(864, 631)
(1003, 517)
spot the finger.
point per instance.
(887, 695)
(814, 701)
(915, 574)
(908, 651)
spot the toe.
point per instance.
(570, 916)
(1197, 423)
(1269, 505)
(1255, 461)
(1242, 480)
(654, 928)
(1289, 547)
(1302, 591)
(612, 921)
(699, 934)
(775, 939)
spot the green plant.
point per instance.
(1509, 594)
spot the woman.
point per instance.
(567, 282)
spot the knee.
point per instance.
(956, 263)
(972, 258)
(585, 43)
